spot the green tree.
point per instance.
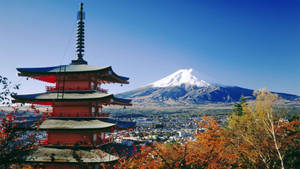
(238, 107)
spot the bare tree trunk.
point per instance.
(271, 129)
(276, 146)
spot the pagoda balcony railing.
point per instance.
(103, 115)
(106, 140)
(102, 90)
(43, 142)
(54, 88)
(101, 142)
(79, 114)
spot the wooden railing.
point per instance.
(54, 88)
(105, 141)
(79, 114)
(102, 90)
(97, 143)
(103, 115)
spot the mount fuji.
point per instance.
(182, 87)
(182, 76)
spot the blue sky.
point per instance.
(250, 43)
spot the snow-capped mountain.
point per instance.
(182, 76)
(182, 87)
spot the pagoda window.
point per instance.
(93, 111)
(102, 136)
(92, 86)
(94, 138)
(85, 140)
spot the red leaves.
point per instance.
(134, 147)
(4, 120)
(177, 164)
(14, 141)
(32, 106)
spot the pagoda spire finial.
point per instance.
(80, 37)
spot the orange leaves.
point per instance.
(156, 156)
(216, 147)
(211, 148)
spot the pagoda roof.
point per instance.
(57, 124)
(119, 124)
(71, 96)
(122, 150)
(65, 155)
(104, 72)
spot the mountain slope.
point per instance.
(182, 87)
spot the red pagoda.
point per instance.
(77, 127)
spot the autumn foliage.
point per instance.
(212, 148)
(16, 142)
(255, 137)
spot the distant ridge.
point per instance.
(182, 87)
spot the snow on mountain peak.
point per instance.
(182, 76)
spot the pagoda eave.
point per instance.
(50, 102)
(93, 96)
(65, 155)
(58, 124)
(77, 118)
(49, 74)
(52, 78)
(109, 129)
(121, 125)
